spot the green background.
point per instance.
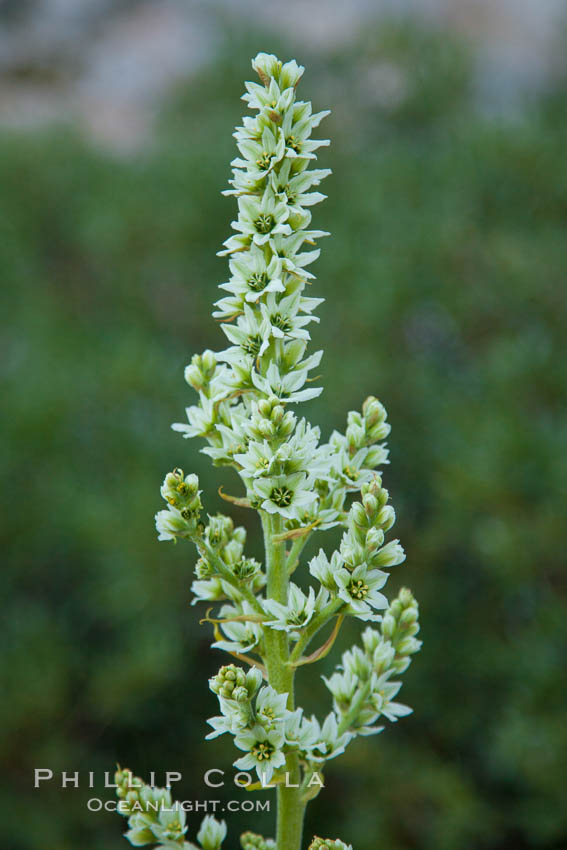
(445, 296)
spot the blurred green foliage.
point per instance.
(446, 297)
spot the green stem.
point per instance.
(295, 551)
(291, 807)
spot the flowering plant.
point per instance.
(300, 487)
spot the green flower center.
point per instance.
(264, 223)
(257, 281)
(293, 143)
(351, 473)
(281, 322)
(262, 751)
(245, 568)
(281, 496)
(252, 344)
(265, 161)
(358, 589)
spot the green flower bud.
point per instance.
(194, 377)
(376, 455)
(227, 680)
(374, 539)
(209, 363)
(182, 492)
(277, 414)
(370, 503)
(386, 517)
(388, 625)
(358, 515)
(219, 530)
(253, 841)
(373, 411)
(266, 428)
(329, 844)
(355, 436)
(374, 486)
(212, 833)
(379, 431)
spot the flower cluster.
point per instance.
(329, 844)
(298, 484)
(153, 818)
(362, 688)
(266, 730)
(253, 841)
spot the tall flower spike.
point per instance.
(298, 485)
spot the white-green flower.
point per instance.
(299, 731)
(390, 555)
(296, 614)
(270, 98)
(297, 127)
(235, 717)
(262, 218)
(211, 833)
(241, 636)
(263, 751)
(343, 687)
(329, 744)
(295, 186)
(260, 156)
(324, 570)
(270, 708)
(252, 278)
(286, 387)
(201, 418)
(360, 590)
(269, 67)
(171, 524)
(284, 495)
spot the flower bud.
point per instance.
(227, 680)
(386, 517)
(328, 844)
(370, 503)
(373, 411)
(376, 455)
(277, 414)
(370, 639)
(383, 657)
(358, 515)
(390, 555)
(266, 428)
(172, 524)
(212, 833)
(379, 431)
(388, 625)
(194, 377)
(253, 841)
(209, 363)
(408, 646)
(354, 418)
(374, 539)
(355, 436)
